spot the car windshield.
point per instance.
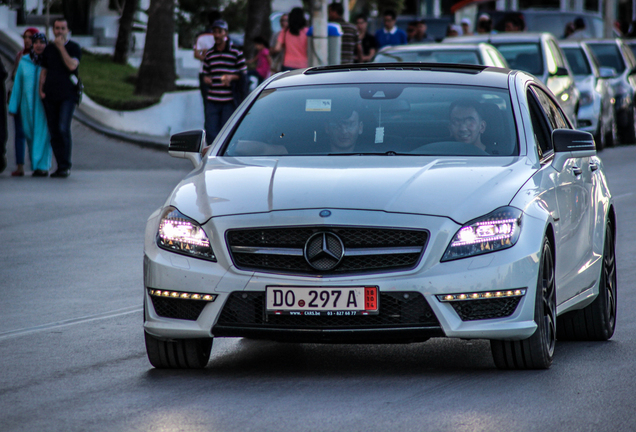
(377, 119)
(523, 56)
(578, 61)
(429, 56)
(609, 56)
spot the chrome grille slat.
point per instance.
(282, 249)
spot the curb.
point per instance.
(146, 141)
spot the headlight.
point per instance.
(585, 99)
(495, 231)
(180, 234)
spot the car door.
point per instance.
(574, 219)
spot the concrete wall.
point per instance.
(176, 112)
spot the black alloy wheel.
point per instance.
(597, 321)
(537, 351)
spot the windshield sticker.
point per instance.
(323, 105)
(379, 135)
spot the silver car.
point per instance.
(540, 55)
(596, 106)
(477, 53)
(615, 54)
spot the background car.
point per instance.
(613, 53)
(385, 203)
(596, 107)
(552, 21)
(540, 55)
(479, 53)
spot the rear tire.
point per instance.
(537, 351)
(178, 353)
(628, 134)
(597, 321)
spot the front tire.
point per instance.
(537, 351)
(597, 321)
(178, 353)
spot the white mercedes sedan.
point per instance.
(385, 203)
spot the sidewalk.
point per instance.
(150, 127)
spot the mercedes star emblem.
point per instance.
(324, 251)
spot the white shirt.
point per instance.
(204, 42)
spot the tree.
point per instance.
(78, 15)
(122, 46)
(258, 24)
(157, 73)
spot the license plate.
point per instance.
(330, 301)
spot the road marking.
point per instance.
(65, 323)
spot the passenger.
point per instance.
(32, 113)
(467, 123)
(343, 131)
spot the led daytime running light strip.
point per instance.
(481, 295)
(182, 295)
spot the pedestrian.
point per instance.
(261, 60)
(390, 34)
(18, 132)
(453, 30)
(3, 119)
(421, 33)
(367, 45)
(579, 29)
(411, 30)
(484, 24)
(205, 41)
(466, 27)
(223, 64)
(60, 92)
(25, 100)
(294, 41)
(349, 38)
(277, 59)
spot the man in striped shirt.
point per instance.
(223, 64)
(350, 33)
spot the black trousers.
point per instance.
(59, 114)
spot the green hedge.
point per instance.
(111, 85)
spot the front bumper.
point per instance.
(514, 268)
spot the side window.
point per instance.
(552, 110)
(540, 126)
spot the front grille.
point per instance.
(472, 310)
(282, 250)
(397, 309)
(178, 308)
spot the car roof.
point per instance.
(436, 47)
(416, 73)
(505, 37)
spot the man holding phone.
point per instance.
(223, 64)
(59, 92)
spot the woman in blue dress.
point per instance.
(25, 98)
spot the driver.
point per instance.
(466, 122)
(343, 130)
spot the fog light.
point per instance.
(182, 295)
(481, 295)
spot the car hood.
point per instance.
(461, 188)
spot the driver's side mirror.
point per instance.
(187, 145)
(561, 71)
(607, 72)
(568, 140)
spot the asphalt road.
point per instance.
(72, 355)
